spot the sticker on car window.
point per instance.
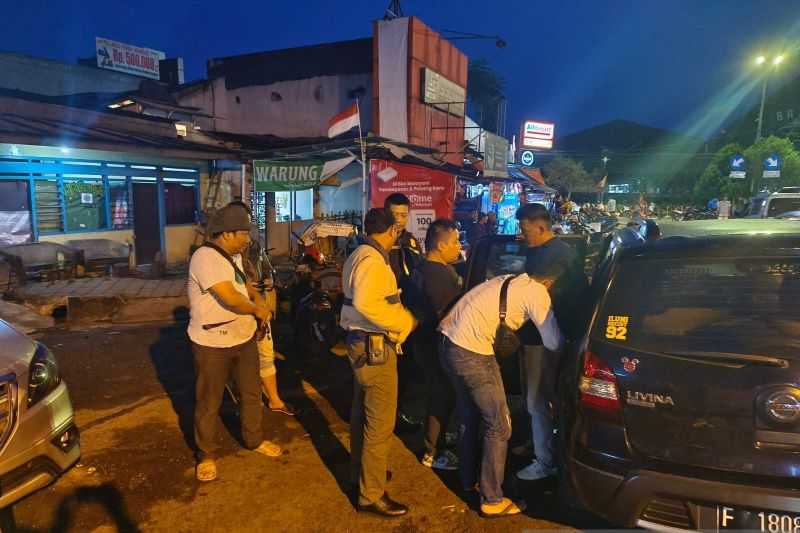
(617, 328)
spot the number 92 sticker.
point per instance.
(617, 328)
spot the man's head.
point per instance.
(483, 218)
(442, 242)
(492, 216)
(229, 228)
(399, 205)
(381, 226)
(535, 223)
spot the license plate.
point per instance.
(763, 521)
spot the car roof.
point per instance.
(735, 226)
(735, 245)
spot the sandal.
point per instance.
(286, 409)
(508, 508)
(270, 449)
(206, 470)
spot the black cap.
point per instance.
(232, 217)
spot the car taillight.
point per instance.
(598, 385)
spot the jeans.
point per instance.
(481, 398)
(372, 418)
(212, 368)
(538, 368)
(439, 394)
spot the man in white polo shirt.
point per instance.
(225, 313)
(468, 358)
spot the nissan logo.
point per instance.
(783, 406)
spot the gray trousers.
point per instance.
(212, 368)
(372, 419)
(538, 367)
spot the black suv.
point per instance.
(680, 408)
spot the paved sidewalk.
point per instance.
(103, 288)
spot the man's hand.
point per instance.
(263, 314)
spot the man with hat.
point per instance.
(225, 314)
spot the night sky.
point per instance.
(578, 63)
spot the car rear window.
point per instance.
(779, 206)
(739, 305)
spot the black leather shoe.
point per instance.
(385, 507)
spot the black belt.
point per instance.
(392, 299)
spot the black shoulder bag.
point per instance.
(506, 342)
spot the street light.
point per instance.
(760, 60)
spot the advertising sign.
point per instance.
(495, 159)
(537, 135)
(527, 158)
(443, 94)
(127, 58)
(431, 192)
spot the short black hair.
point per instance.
(437, 231)
(378, 220)
(534, 212)
(396, 198)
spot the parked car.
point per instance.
(778, 203)
(680, 408)
(38, 437)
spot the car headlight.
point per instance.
(43, 376)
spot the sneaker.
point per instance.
(446, 460)
(206, 470)
(535, 471)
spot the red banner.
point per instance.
(431, 191)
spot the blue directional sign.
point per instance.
(527, 158)
(773, 162)
(737, 163)
(772, 166)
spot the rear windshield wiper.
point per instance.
(728, 357)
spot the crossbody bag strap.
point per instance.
(227, 256)
(504, 298)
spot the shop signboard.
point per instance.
(272, 176)
(127, 58)
(443, 94)
(431, 192)
(537, 134)
(495, 158)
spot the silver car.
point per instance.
(38, 437)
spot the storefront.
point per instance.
(52, 194)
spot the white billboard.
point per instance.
(127, 58)
(537, 134)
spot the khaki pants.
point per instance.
(372, 419)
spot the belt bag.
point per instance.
(506, 342)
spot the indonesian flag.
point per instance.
(602, 183)
(344, 121)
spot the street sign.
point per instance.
(738, 167)
(772, 166)
(527, 158)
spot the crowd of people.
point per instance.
(400, 305)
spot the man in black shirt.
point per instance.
(538, 367)
(436, 287)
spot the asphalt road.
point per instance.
(132, 388)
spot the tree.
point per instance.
(563, 172)
(715, 181)
(716, 175)
(485, 90)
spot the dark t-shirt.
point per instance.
(404, 256)
(437, 287)
(565, 293)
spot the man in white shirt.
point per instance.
(377, 323)
(468, 358)
(225, 313)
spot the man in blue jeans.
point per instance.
(468, 358)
